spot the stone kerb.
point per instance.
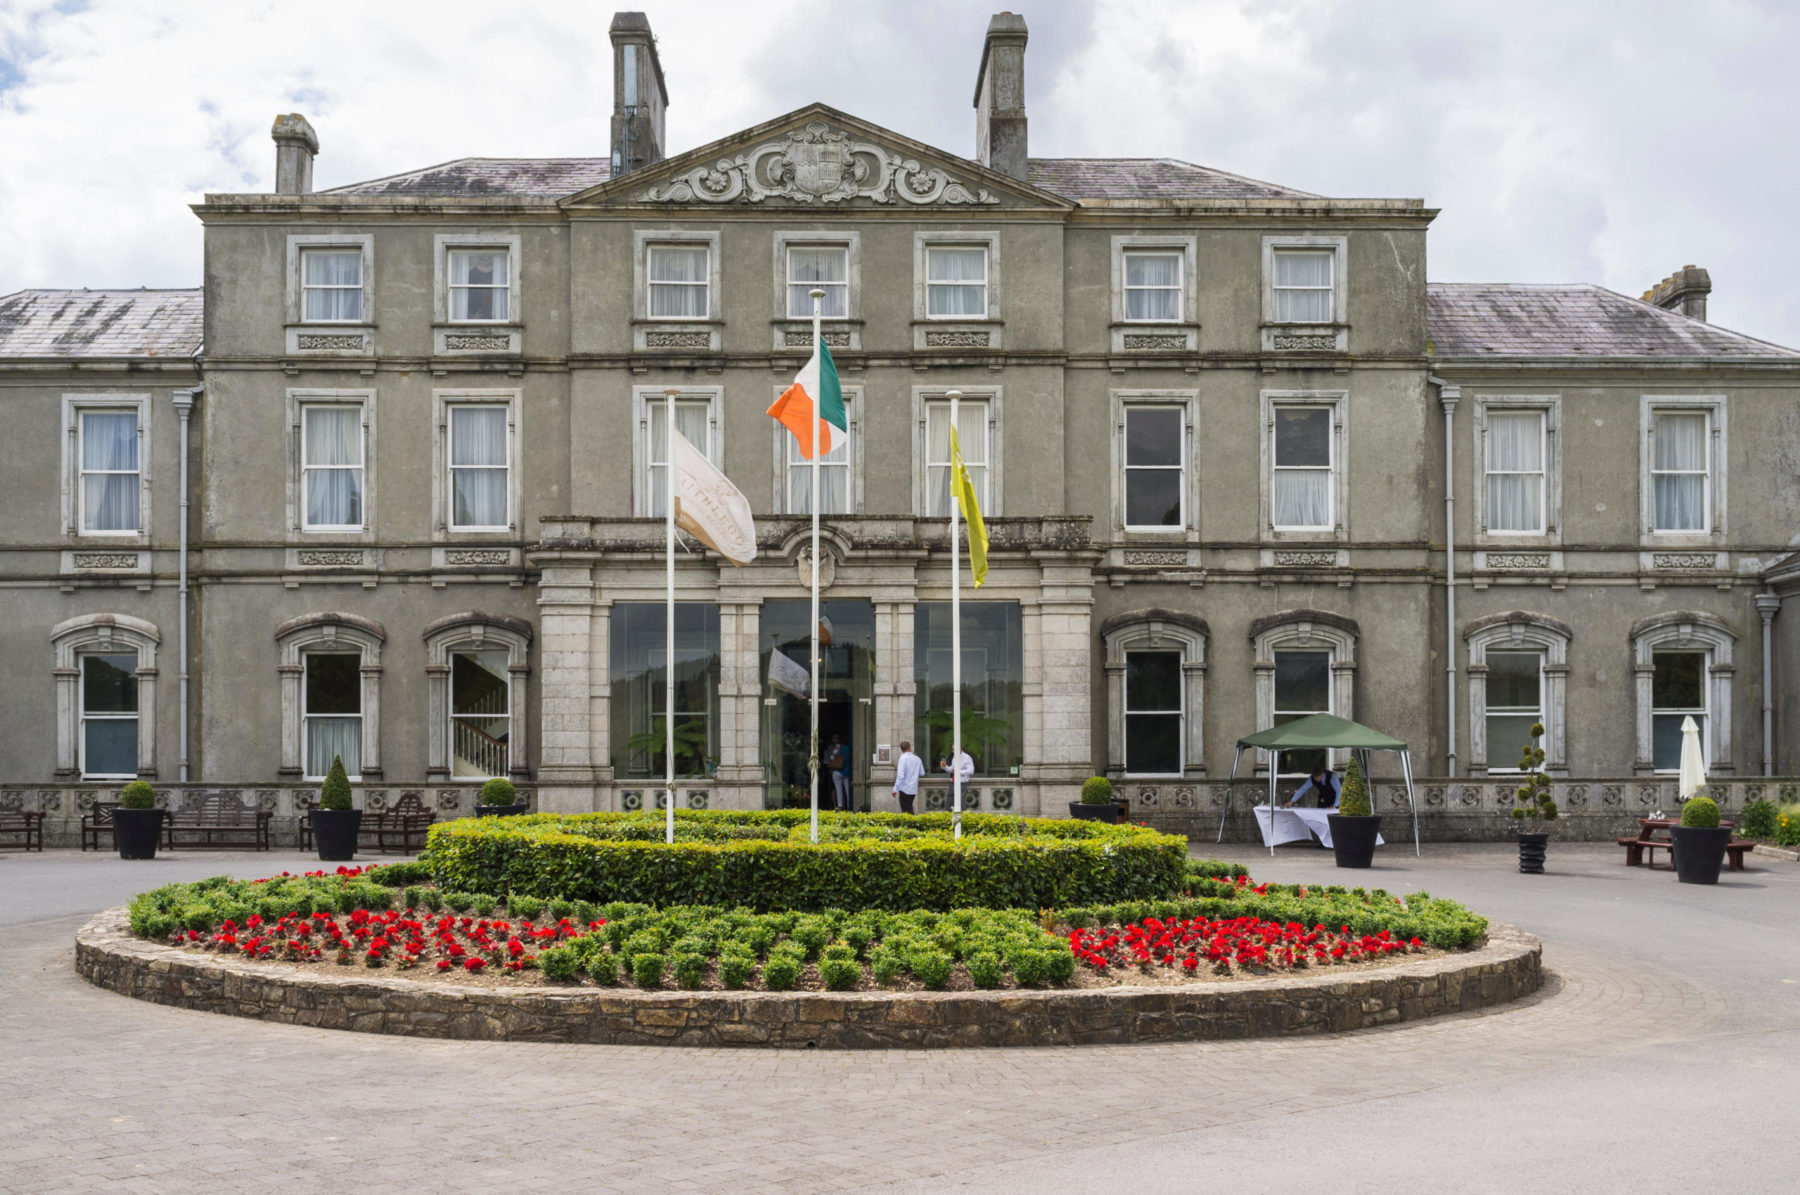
(1506, 968)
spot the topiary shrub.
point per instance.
(1353, 801)
(498, 791)
(1758, 820)
(1535, 808)
(1700, 813)
(335, 792)
(647, 969)
(1096, 790)
(137, 795)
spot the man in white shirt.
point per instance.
(965, 768)
(906, 777)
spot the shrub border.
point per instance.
(1507, 967)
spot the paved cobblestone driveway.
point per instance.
(1667, 1036)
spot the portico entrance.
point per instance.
(846, 698)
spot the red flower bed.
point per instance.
(402, 937)
(1242, 942)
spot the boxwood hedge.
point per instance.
(765, 861)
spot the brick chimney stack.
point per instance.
(640, 96)
(1000, 96)
(1685, 291)
(295, 147)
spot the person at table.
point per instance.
(1323, 784)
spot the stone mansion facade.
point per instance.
(384, 486)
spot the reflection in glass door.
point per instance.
(846, 699)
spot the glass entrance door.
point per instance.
(846, 699)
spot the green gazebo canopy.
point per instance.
(1321, 730)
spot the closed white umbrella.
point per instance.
(1693, 767)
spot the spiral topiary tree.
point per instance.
(1353, 801)
(1096, 790)
(335, 792)
(1535, 808)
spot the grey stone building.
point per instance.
(1241, 462)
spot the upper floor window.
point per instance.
(480, 459)
(1680, 473)
(835, 497)
(1153, 286)
(1304, 285)
(694, 420)
(818, 267)
(1515, 472)
(331, 466)
(109, 482)
(331, 285)
(1302, 486)
(680, 279)
(972, 433)
(956, 282)
(480, 284)
(1155, 473)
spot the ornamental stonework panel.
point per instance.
(957, 340)
(466, 342)
(1518, 560)
(1682, 561)
(1141, 343)
(804, 339)
(677, 340)
(330, 342)
(329, 558)
(477, 556)
(1306, 343)
(106, 560)
(1156, 558)
(1326, 559)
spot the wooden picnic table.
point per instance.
(1653, 835)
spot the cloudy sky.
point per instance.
(1591, 141)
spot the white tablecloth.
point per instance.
(1297, 825)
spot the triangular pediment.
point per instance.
(817, 158)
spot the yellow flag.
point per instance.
(964, 489)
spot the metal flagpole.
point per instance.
(818, 429)
(956, 784)
(669, 620)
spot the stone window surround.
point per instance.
(442, 401)
(1157, 630)
(849, 240)
(73, 405)
(296, 296)
(1520, 630)
(1189, 402)
(994, 396)
(994, 322)
(1685, 630)
(1713, 405)
(1187, 246)
(1339, 326)
(1303, 630)
(333, 632)
(475, 631)
(443, 242)
(853, 407)
(642, 239)
(641, 398)
(1339, 400)
(1551, 406)
(297, 399)
(119, 634)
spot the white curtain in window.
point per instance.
(1302, 498)
(691, 420)
(678, 282)
(1303, 270)
(326, 737)
(333, 284)
(1515, 471)
(1153, 286)
(826, 269)
(478, 284)
(956, 282)
(972, 432)
(334, 472)
(109, 463)
(478, 462)
(834, 477)
(1680, 472)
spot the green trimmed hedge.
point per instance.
(764, 861)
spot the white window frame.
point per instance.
(102, 634)
(443, 491)
(1180, 288)
(646, 471)
(924, 398)
(813, 247)
(1304, 630)
(1519, 630)
(298, 243)
(443, 244)
(297, 401)
(1549, 407)
(1180, 713)
(1337, 402)
(305, 286)
(73, 501)
(1703, 710)
(651, 282)
(475, 631)
(985, 284)
(306, 470)
(136, 717)
(1714, 524)
(1123, 403)
(1157, 630)
(1337, 326)
(82, 472)
(1537, 712)
(328, 633)
(787, 457)
(923, 242)
(306, 719)
(1686, 631)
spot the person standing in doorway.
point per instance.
(837, 762)
(906, 777)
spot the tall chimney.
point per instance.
(639, 95)
(1685, 291)
(295, 146)
(1000, 96)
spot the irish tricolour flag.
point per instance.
(814, 396)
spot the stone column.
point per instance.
(568, 636)
(437, 738)
(1058, 659)
(68, 681)
(1646, 751)
(290, 722)
(371, 699)
(518, 737)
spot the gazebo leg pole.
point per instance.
(1406, 767)
(1274, 766)
(1223, 813)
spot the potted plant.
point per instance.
(1535, 810)
(335, 824)
(1096, 804)
(499, 799)
(137, 822)
(1355, 826)
(1699, 842)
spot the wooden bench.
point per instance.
(1642, 851)
(218, 819)
(95, 823)
(402, 828)
(24, 825)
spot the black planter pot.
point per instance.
(136, 831)
(1108, 812)
(1531, 853)
(1699, 853)
(335, 832)
(1353, 839)
(500, 810)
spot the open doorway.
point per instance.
(846, 707)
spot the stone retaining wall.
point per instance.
(1507, 967)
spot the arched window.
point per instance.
(1155, 693)
(330, 695)
(105, 697)
(476, 668)
(1518, 675)
(1683, 663)
(1305, 663)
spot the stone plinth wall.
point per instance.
(1507, 967)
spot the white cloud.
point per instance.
(1604, 142)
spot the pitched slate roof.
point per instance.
(1147, 178)
(100, 323)
(1521, 319)
(550, 178)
